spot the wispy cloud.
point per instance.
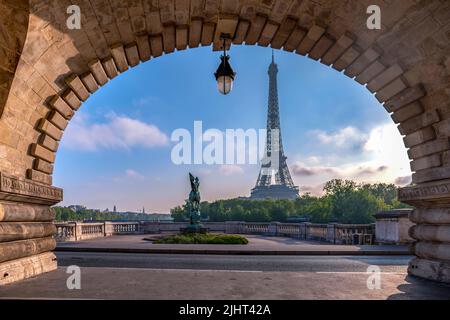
(375, 155)
(346, 138)
(120, 132)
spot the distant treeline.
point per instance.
(344, 201)
(68, 214)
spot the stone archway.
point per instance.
(52, 70)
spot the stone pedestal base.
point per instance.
(429, 269)
(28, 267)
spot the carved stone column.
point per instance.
(432, 230)
(26, 228)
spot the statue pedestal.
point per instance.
(194, 228)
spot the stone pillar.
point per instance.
(432, 230)
(235, 227)
(273, 228)
(26, 228)
(331, 233)
(108, 228)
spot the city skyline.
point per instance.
(332, 128)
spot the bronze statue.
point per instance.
(194, 200)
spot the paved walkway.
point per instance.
(129, 283)
(257, 245)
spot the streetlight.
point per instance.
(225, 74)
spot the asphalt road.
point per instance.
(234, 262)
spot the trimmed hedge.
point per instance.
(202, 238)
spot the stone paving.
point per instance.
(257, 245)
(129, 283)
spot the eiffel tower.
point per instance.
(274, 179)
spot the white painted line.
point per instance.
(172, 270)
(356, 272)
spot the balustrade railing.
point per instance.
(332, 233)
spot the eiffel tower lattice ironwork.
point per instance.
(274, 179)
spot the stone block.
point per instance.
(431, 233)
(39, 177)
(195, 33)
(427, 148)
(120, 59)
(226, 25)
(255, 29)
(43, 166)
(429, 269)
(268, 33)
(58, 120)
(312, 36)
(340, 46)
(20, 212)
(49, 128)
(168, 36)
(431, 215)
(48, 142)
(63, 108)
(403, 98)
(283, 33)
(143, 45)
(295, 38)
(25, 248)
(321, 47)
(156, 44)
(75, 83)
(362, 62)
(418, 137)
(370, 72)
(89, 82)
(208, 29)
(241, 31)
(182, 37)
(132, 54)
(72, 99)
(425, 119)
(98, 72)
(431, 174)
(24, 268)
(14, 231)
(384, 78)
(426, 162)
(406, 112)
(42, 153)
(390, 90)
(347, 58)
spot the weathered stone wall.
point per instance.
(406, 64)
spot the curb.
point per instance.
(240, 252)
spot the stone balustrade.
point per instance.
(332, 233)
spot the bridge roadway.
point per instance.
(189, 276)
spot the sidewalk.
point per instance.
(258, 245)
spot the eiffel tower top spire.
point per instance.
(283, 186)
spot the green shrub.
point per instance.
(202, 238)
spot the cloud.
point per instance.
(403, 181)
(352, 171)
(120, 132)
(345, 138)
(228, 170)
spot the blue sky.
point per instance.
(117, 149)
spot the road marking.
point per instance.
(356, 272)
(172, 270)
